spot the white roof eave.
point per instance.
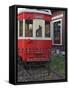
(34, 11)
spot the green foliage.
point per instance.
(58, 64)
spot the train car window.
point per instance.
(28, 28)
(47, 29)
(20, 28)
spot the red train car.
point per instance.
(34, 39)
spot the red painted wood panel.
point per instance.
(26, 15)
(34, 50)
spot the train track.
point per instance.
(36, 73)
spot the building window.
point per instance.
(28, 28)
(20, 28)
(47, 29)
(57, 32)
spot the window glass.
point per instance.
(20, 28)
(28, 28)
(39, 31)
(57, 35)
(47, 29)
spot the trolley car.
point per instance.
(34, 39)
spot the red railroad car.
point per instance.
(34, 39)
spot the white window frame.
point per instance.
(24, 32)
(52, 31)
(43, 31)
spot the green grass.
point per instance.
(58, 64)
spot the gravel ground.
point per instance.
(38, 73)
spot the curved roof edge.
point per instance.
(46, 11)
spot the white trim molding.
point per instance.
(33, 38)
(57, 17)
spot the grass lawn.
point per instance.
(58, 64)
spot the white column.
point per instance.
(43, 28)
(18, 28)
(23, 27)
(34, 31)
